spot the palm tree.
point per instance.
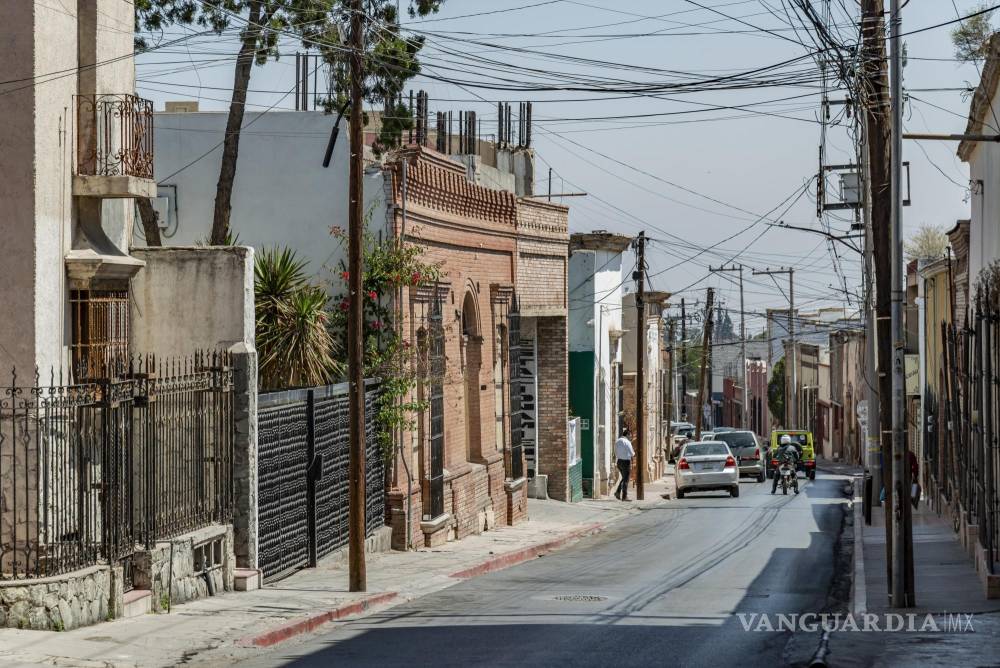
(294, 344)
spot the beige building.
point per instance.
(75, 150)
(655, 436)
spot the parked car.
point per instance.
(708, 435)
(750, 454)
(705, 466)
(723, 430)
(685, 429)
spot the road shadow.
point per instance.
(498, 620)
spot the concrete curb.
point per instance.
(859, 589)
(515, 557)
(306, 624)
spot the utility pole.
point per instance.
(743, 344)
(706, 338)
(683, 364)
(902, 538)
(874, 101)
(355, 327)
(871, 451)
(640, 364)
(670, 379)
(792, 401)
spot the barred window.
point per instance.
(100, 331)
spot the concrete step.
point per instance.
(137, 602)
(247, 579)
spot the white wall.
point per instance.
(282, 194)
(188, 299)
(984, 230)
(595, 284)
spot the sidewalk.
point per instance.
(234, 626)
(946, 582)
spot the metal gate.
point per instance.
(303, 475)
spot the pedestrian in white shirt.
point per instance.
(624, 454)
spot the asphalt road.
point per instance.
(660, 588)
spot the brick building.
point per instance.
(499, 304)
(543, 249)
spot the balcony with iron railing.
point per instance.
(114, 146)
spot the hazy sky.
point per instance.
(643, 173)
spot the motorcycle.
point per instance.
(788, 477)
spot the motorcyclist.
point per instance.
(787, 454)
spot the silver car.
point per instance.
(705, 466)
(748, 451)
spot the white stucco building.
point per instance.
(282, 196)
(984, 169)
(595, 331)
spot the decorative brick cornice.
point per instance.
(425, 293)
(501, 293)
(437, 183)
(544, 219)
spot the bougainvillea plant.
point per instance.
(389, 266)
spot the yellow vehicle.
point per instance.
(801, 438)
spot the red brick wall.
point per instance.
(469, 232)
(553, 406)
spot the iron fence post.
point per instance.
(311, 476)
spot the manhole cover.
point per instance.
(580, 598)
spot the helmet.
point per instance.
(786, 439)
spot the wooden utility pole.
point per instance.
(874, 101)
(355, 320)
(902, 569)
(640, 365)
(743, 344)
(683, 364)
(706, 338)
(671, 348)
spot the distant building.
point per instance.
(595, 332)
(655, 438)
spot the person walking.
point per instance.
(624, 452)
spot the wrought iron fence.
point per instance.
(92, 466)
(114, 135)
(966, 471)
(303, 475)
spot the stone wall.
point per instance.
(171, 571)
(60, 603)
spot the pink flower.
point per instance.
(372, 295)
(344, 305)
(415, 277)
(345, 275)
(377, 324)
(337, 231)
